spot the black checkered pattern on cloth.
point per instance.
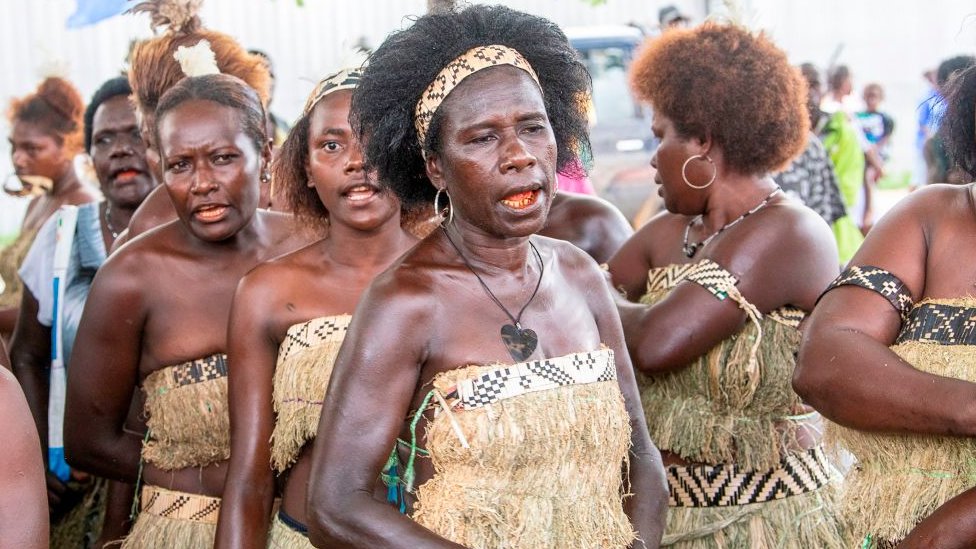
(880, 281)
(313, 333)
(727, 485)
(537, 375)
(468, 63)
(200, 370)
(940, 323)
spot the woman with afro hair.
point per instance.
(484, 357)
(889, 358)
(46, 134)
(721, 281)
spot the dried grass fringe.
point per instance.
(283, 537)
(799, 522)
(156, 532)
(898, 480)
(544, 470)
(716, 411)
(300, 381)
(189, 425)
(81, 526)
(11, 258)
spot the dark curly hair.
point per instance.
(56, 106)
(948, 68)
(958, 130)
(288, 172)
(225, 90)
(724, 82)
(407, 62)
(111, 88)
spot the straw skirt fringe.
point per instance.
(82, 525)
(283, 537)
(804, 521)
(543, 470)
(300, 380)
(156, 532)
(189, 423)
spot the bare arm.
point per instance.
(952, 526)
(845, 368)
(104, 373)
(648, 505)
(250, 488)
(23, 502)
(632, 260)
(786, 264)
(369, 396)
(30, 355)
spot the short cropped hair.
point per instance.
(725, 82)
(111, 88)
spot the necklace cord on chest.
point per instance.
(108, 221)
(690, 249)
(515, 319)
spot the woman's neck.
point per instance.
(486, 251)
(66, 184)
(363, 249)
(734, 196)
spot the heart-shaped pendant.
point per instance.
(521, 342)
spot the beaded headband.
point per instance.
(468, 63)
(346, 79)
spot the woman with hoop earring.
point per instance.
(715, 289)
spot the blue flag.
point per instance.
(90, 12)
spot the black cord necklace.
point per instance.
(520, 342)
(691, 248)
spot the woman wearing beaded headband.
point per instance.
(156, 317)
(723, 278)
(888, 357)
(532, 454)
(281, 358)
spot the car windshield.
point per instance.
(612, 101)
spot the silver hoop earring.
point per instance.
(265, 176)
(448, 212)
(684, 176)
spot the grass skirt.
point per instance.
(153, 530)
(301, 377)
(81, 525)
(283, 537)
(805, 521)
(898, 480)
(188, 416)
(542, 470)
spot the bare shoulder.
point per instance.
(273, 275)
(286, 233)
(157, 209)
(585, 205)
(142, 252)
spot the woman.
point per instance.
(539, 459)
(289, 317)
(156, 317)
(118, 157)
(46, 135)
(153, 69)
(888, 355)
(723, 277)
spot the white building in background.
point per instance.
(888, 41)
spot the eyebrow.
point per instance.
(537, 115)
